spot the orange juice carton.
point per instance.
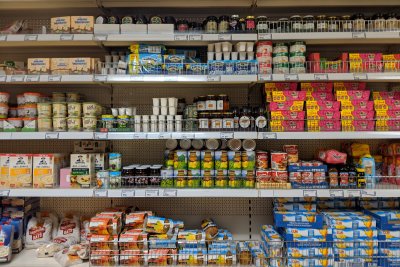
(282, 96)
(287, 115)
(323, 105)
(357, 105)
(357, 114)
(319, 96)
(352, 95)
(316, 87)
(288, 105)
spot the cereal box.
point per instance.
(288, 105)
(287, 115)
(309, 252)
(319, 96)
(358, 125)
(282, 96)
(352, 95)
(295, 207)
(323, 114)
(323, 105)
(357, 105)
(101, 161)
(38, 65)
(82, 24)
(46, 170)
(316, 87)
(306, 262)
(20, 170)
(82, 170)
(357, 114)
(287, 126)
(4, 170)
(60, 24)
(59, 66)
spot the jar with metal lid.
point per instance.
(333, 24)
(249, 144)
(128, 20)
(244, 120)
(296, 23)
(273, 26)
(322, 23)
(309, 23)
(112, 20)
(250, 24)
(392, 23)
(223, 102)
(201, 103)
(234, 24)
(236, 117)
(197, 144)
(128, 176)
(211, 24)
(216, 121)
(182, 25)
(234, 144)
(195, 26)
(169, 20)
(223, 24)
(211, 103)
(283, 25)
(156, 20)
(359, 22)
(262, 24)
(141, 176)
(203, 121)
(185, 144)
(155, 175)
(228, 121)
(347, 24)
(171, 144)
(141, 19)
(379, 22)
(212, 144)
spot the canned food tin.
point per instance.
(74, 109)
(171, 144)
(235, 178)
(297, 70)
(292, 153)
(234, 160)
(249, 180)
(212, 144)
(298, 46)
(180, 160)
(185, 144)
(221, 178)
(221, 160)
(249, 144)
(295, 177)
(102, 179)
(89, 124)
(194, 160)
(280, 59)
(167, 178)
(279, 161)
(280, 48)
(207, 178)
(207, 159)
(248, 160)
(44, 110)
(279, 176)
(263, 176)
(307, 177)
(234, 144)
(59, 109)
(297, 57)
(169, 159)
(197, 144)
(281, 70)
(319, 177)
(59, 124)
(262, 160)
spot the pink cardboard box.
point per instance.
(388, 104)
(387, 114)
(323, 115)
(315, 87)
(323, 105)
(65, 178)
(357, 104)
(388, 125)
(287, 126)
(358, 125)
(269, 87)
(287, 115)
(319, 96)
(323, 125)
(288, 105)
(357, 114)
(352, 95)
(282, 96)
(346, 86)
(385, 95)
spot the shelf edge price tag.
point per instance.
(165, 136)
(3, 37)
(66, 37)
(309, 193)
(224, 37)
(170, 78)
(100, 193)
(358, 35)
(4, 193)
(127, 193)
(100, 136)
(151, 193)
(139, 136)
(195, 37)
(367, 193)
(336, 193)
(264, 36)
(17, 78)
(100, 78)
(213, 78)
(3, 78)
(321, 77)
(32, 78)
(100, 37)
(360, 76)
(31, 37)
(268, 136)
(54, 78)
(291, 77)
(51, 136)
(265, 77)
(354, 193)
(225, 135)
(170, 193)
(187, 136)
(180, 37)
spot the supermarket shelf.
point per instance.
(329, 135)
(371, 77)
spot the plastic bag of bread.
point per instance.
(68, 232)
(65, 258)
(48, 250)
(38, 232)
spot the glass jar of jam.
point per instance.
(296, 24)
(222, 103)
(141, 177)
(262, 24)
(211, 103)
(359, 22)
(250, 24)
(244, 120)
(347, 25)
(379, 22)
(201, 103)
(322, 23)
(261, 120)
(283, 25)
(128, 176)
(195, 27)
(223, 24)
(216, 120)
(204, 122)
(333, 24)
(182, 25)
(228, 121)
(392, 23)
(309, 23)
(211, 24)
(155, 175)
(234, 24)
(273, 26)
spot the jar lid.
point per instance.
(262, 17)
(346, 17)
(332, 18)
(308, 17)
(156, 20)
(321, 17)
(212, 144)
(234, 144)
(198, 144)
(283, 19)
(212, 18)
(250, 17)
(235, 16)
(249, 144)
(295, 17)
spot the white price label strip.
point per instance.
(170, 193)
(54, 78)
(224, 37)
(360, 76)
(291, 77)
(100, 37)
(187, 136)
(359, 35)
(181, 37)
(139, 136)
(17, 78)
(151, 193)
(100, 78)
(3, 78)
(264, 36)
(195, 37)
(165, 136)
(226, 135)
(31, 37)
(309, 193)
(321, 77)
(100, 136)
(127, 193)
(100, 193)
(3, 37)
(368, 193)
(66, 37)
(268, 136)
(4, 193)
(336, 193)
(32, 78)
(265, 77)
(354, 193)
(51, 136)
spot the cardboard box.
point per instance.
(287, 115)
(80, 65)
(60, 24)
(82, 24)
(38, 65)
(323, 105)
(282, 96)
(46, 170)
(20, 170)
(65, 177)
(287, 126)
(288, 105)
(59, 66)
(101, 161)
(91, 146)
(4, 170)
(82, 170)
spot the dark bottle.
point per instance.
(343, 177)
(333, 177)
(253, 116)
(234, 24)
(236, 117)
(352, 176)
(361, 183)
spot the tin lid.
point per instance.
(234, 144)
(197, 144)
(185, 143)
(249, 144)
(171, 144)
(212, 144)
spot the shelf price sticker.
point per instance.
(291, 77)
(100, 37)
(32, 78)
(265, 77)
(3, 78)
(31, 37)
(181, 37)
(127, 193)
(3, 37)
(151, 193)
(187, 136)
(17, 78)
(321, 77)
(100, 136)
(225, 135)
(360, 76)
(224, 37)
(66, 37)
(268, 136)
(100, 193)
(165, 136)
(100, 78)
(368, 193)
(309, 193)
(4, 193)
(213, 78)
(51, 136)
(195, 37)
(354, 193)
(139, 136)
(54, 78)
(170, 193)
(359, 35)
(336, 193)
(264, 36)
